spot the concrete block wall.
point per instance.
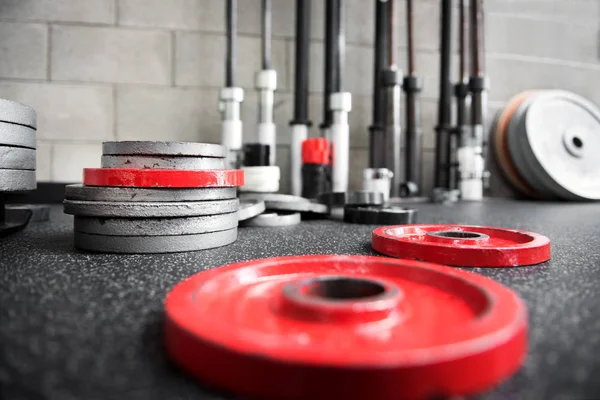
(99, 70)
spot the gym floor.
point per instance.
(76, 325)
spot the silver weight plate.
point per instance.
(17, 158)
(154, 244)
(561, 142)
(149, 209)
(273, 219)
(164, 149)
(14, 180)
(155, 226)
(99, 193)
(17, 135)
(17, 113)
(250, 208)
(163, 162)
(517, 155)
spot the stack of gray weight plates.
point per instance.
(154, 219)
(17, 146)
(552, 139)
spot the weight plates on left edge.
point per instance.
(155, 226)
(462, 245)
(373, 215)
(14, 180)
(346, 327)
(118, 177)
(154, 244)
(17, 158)
(274, 219)
(115, 209)
(17, 135)
(250, 208)
(17, 113)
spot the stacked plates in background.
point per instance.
(156, 197)
(17, 146)
(545, 143)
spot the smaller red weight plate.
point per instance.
(345, 327)
(125, 177)
(462, 245)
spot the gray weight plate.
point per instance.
(99, 193)
(17, 158)
(154, 244)
(362, 198)
(561, 141)
(17, 113)
(250, 208)
(155, 226)
(515, 148)
(14, 180)
(39, 212)
(17, 135)
(164, 149)
(163, 162)
(149, 209)
(273, 220)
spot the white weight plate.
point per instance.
(155, 226)
(100, 193)
(563, 136)
(164, 149)
(17, 113)
(14, 180)
(270, 172)
(260, 187)
(17, 158)
(273, 219)
(17, 135)
(149, 209)
(163, 162)
(154, 244)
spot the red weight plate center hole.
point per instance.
(460, 236)
(340, 299)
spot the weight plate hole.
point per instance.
(343, 288)
(577, 142)
(459, 235)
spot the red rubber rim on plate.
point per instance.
(278, 328)
(462, 245)
(162, 177)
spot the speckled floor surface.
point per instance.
(76, 325)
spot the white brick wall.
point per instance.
(150, 69)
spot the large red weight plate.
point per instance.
(462, 245)
(345, 327)
(172, 178)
